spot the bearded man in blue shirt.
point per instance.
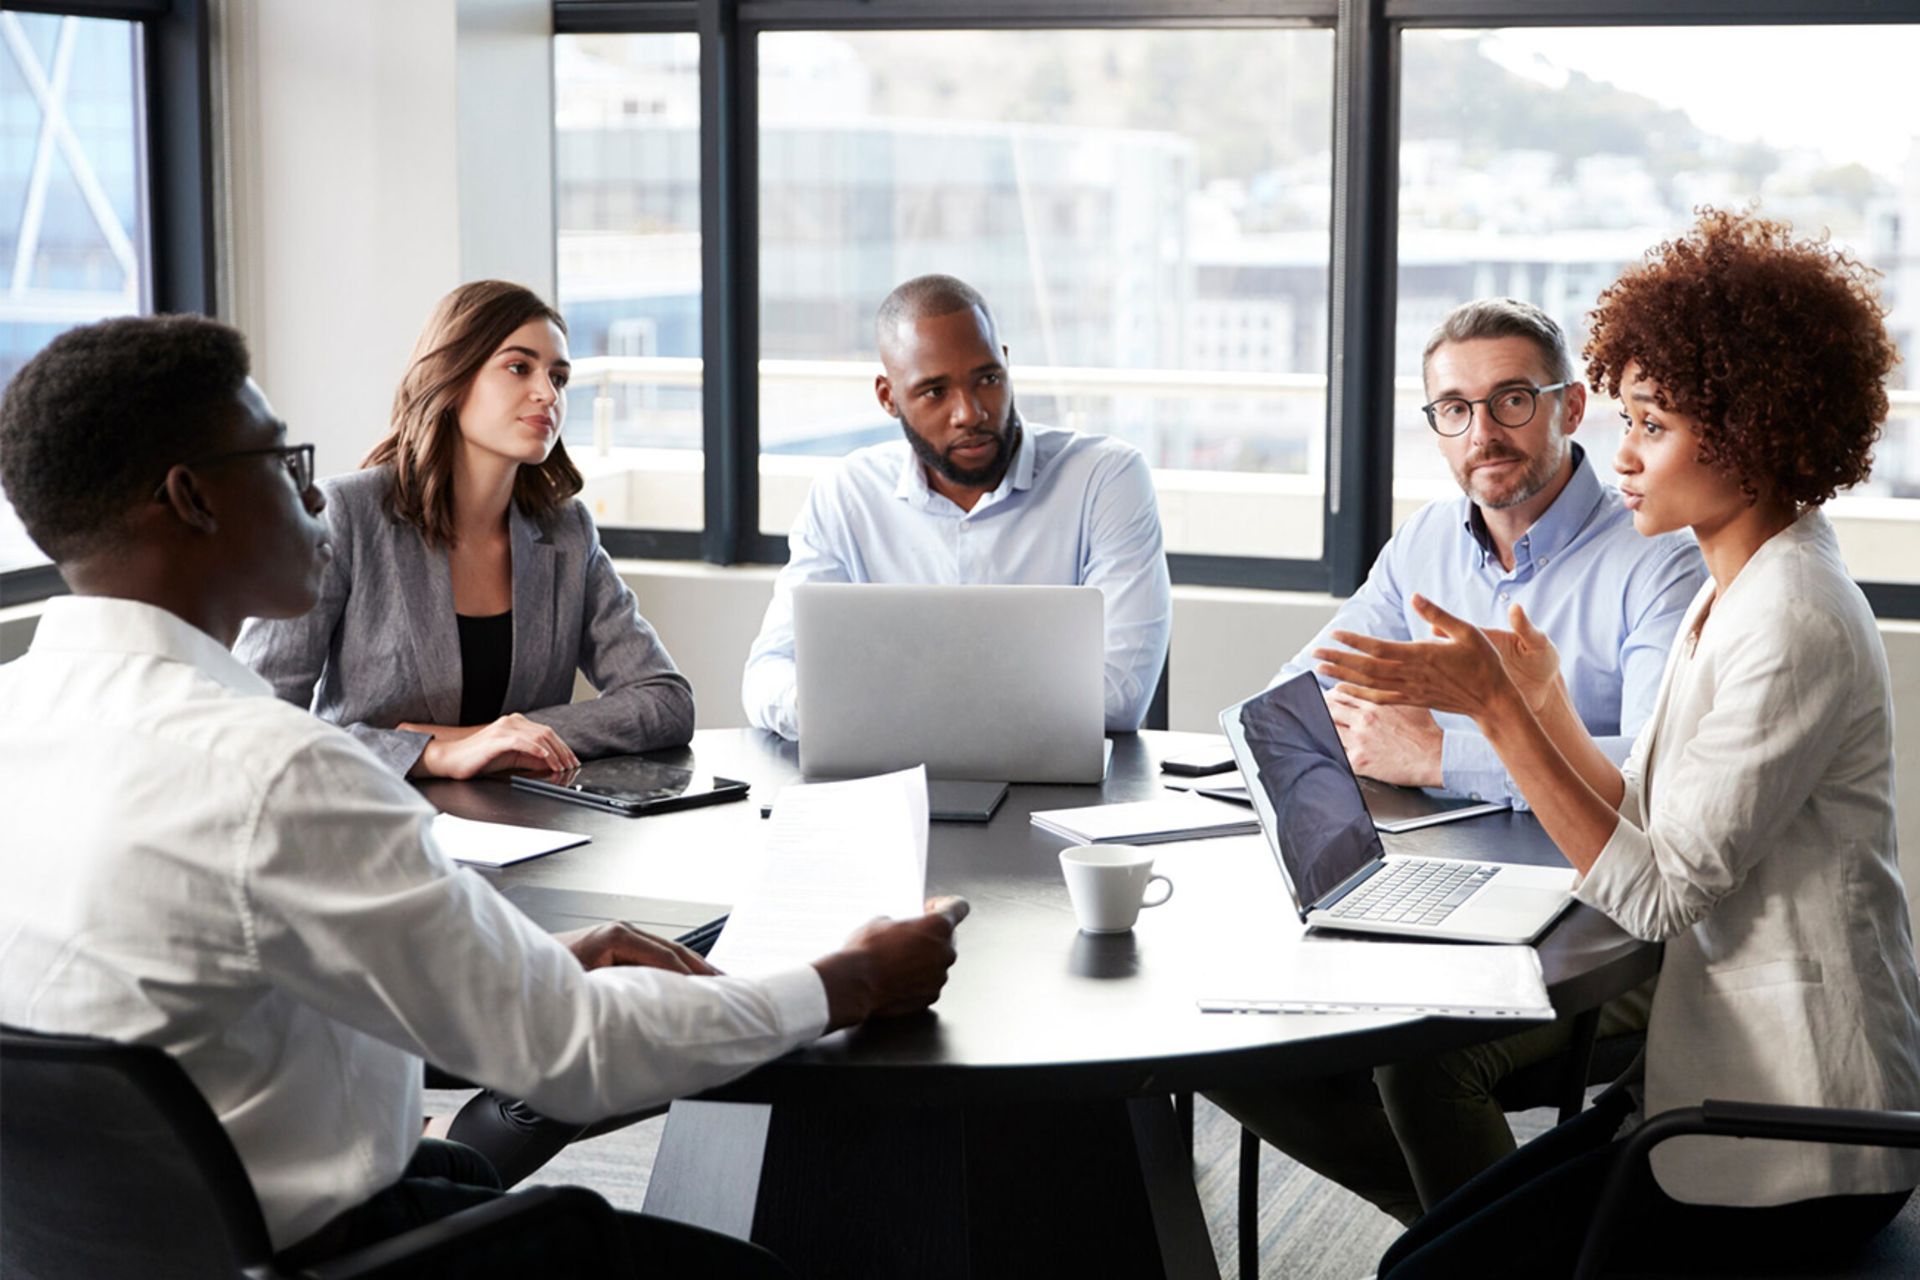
(1534, 526)
(973, 494)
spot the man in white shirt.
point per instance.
(974, 495)
(194, 864)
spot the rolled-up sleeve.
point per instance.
(352, 910)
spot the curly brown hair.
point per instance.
(1776, 346)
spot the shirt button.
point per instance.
(1543, 561)
(1473, 795)
(1504, 595)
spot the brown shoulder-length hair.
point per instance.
(461, 336)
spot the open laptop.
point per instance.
(992, 683)
(1311, 811)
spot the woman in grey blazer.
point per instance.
(468, 582)
(1752, 828)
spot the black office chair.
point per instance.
(115, 1166)
(1738, 1120)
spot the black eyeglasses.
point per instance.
(1511, 407)
(296, 458)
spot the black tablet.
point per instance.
(633, 786)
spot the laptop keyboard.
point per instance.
(1414, 891)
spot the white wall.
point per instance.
(379, 153)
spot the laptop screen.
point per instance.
(1297, 775)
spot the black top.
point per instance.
(486, 658)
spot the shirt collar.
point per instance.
(1557, 525)
(105, 624)
(912, 485)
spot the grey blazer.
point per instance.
(381, 645)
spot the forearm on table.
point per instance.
(1577, 817)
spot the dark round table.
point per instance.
(1023, 1126)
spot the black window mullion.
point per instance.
(729, 262)
(180, 159)
(1359, 514)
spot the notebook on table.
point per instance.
(1310, 809)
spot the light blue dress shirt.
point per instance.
(1610, 599)
(1072, 510)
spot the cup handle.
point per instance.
(1160, 901)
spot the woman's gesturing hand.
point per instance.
(1462, 670)
(1530, 658)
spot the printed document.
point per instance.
(838, 854)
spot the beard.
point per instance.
(985, 476)
(1537, 473)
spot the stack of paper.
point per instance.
(838, 854)
(1178, 817)
(1455, 981)
(495, 844)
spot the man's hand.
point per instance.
(617, 943)
(891, 967)
(511, 742)
(1400, 745)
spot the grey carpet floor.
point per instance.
(1309, 1228)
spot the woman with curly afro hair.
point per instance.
(1752, 827)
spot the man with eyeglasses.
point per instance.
(192, 863)
(1534, 526)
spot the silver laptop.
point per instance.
(1312, 813)
(1000, 684)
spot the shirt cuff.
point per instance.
(1470, 767)
(799, 998)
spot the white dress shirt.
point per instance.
(1072, 510)
(1756, 837)
(192, 863)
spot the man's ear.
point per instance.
(883, 392)
(181, 492)
(1574, 400)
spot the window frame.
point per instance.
(1365, 227)
(177, 121)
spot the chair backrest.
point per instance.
(111, 1164)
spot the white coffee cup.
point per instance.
(1108, 885)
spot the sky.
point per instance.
(1849, 91)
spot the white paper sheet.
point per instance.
(1453, 980)
(495, 844)
(838, 854)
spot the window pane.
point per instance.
(1538, 163)
(1146, 211)
(627, 176)
(73, 236)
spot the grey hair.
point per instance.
(1503, 318)
(924, 297)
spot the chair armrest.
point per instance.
(1833, 1125)
(593, 1225)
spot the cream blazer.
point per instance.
(1756, 838)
